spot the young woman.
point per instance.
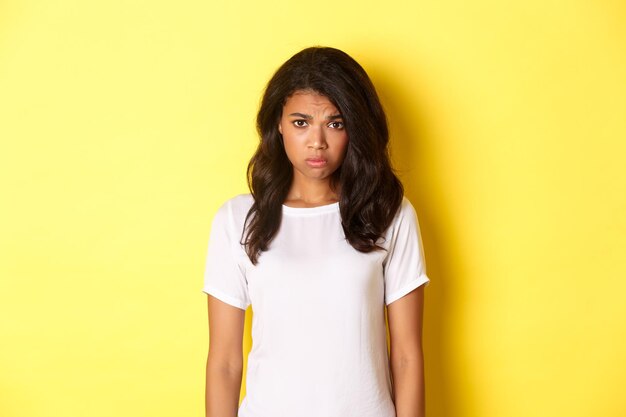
(323, 243)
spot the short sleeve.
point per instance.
(224, 277)
(404, 267)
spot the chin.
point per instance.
(316, 173)
(319, 176)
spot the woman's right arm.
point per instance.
(224, 365)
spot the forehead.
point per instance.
(309, 99)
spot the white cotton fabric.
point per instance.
(319, 346)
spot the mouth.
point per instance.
(316, 162)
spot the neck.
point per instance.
(312, 191)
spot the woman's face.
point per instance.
(314, 135)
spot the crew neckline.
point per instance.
(326, 208)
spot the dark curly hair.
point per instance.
(371, 193)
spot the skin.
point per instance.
(311, 126)
(224, 366)
(405, 317)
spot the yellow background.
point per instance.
(124, 125)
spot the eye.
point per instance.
(299, 123)
(336, 125)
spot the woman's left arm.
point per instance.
(405, 317)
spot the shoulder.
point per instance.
(405, 217)
(233, 211)
(237, 203)
(406, 211)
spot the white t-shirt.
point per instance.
(319, 346)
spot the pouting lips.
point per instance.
(316, 162)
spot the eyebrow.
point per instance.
(309, 117)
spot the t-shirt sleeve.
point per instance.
(404, 267)
(224, 277)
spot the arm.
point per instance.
(407, 359)
(225, 359)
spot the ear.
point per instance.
(280, 129)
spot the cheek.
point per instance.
(343, 146)
(290, 146)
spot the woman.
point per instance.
(324, 241)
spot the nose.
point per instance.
(317, 138)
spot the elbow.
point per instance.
(407, 358)
(228, 365)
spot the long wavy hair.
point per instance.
(370, 192)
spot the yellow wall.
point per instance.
(124, 125)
